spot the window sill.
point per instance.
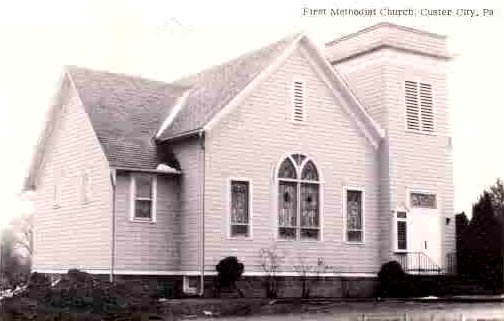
(285, 240)
(355, 243)
(299, 240)
(240, 238)
(310, 240)
(139, 220)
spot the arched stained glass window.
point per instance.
(309, 172)
(298, 199)
(287, 169)
(298, 158)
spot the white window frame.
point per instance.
(298, 181)
(292, 106)
(418, 80)
(229, 204)
(345, 214)
(133, 199)
(186, 288)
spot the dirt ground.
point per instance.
(374, 311)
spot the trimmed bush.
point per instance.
(229, 271)
(392, 281)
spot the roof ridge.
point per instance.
(213, 88)
(289, 38)
(382, 24)
(70, 68)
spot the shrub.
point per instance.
(38, 280)
(270, 262)
(392, 281)
(304, 270)
(229, 271)
(81, 292)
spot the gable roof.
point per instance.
(203, 106)
(212, 89)
(125, 113)
(132, 116)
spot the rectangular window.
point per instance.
(191, 284)
(402, 231)
(419, 106)
(354, 216)
(143, 191)
(240, 208)
(423, 200)
(298, 101)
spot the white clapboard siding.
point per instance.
(74, 233)
(418, 157)
(249, 142)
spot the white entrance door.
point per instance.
(424, 237)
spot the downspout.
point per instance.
(201, 140)
(113, 177)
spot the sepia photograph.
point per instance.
(260, 160)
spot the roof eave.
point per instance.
(264, 74)
(30, 181)
(370, 128)
(146, 170)
(384, 45)
(173, 114)
(182, 136)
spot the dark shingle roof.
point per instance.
(126, 112)
(214, 88)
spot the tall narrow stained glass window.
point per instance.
(354, 216)
(240, 211)
(298, 199)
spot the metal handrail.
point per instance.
(418, 263)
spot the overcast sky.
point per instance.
(166, 39)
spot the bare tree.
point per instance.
(310, 274)
(22, 228)
(16, 250)
(270, 263)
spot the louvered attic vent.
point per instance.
(419, 107)
(298, 101)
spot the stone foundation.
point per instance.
(253, 286)
(291, 287)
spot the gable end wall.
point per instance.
(75, 234)
(251, 140)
